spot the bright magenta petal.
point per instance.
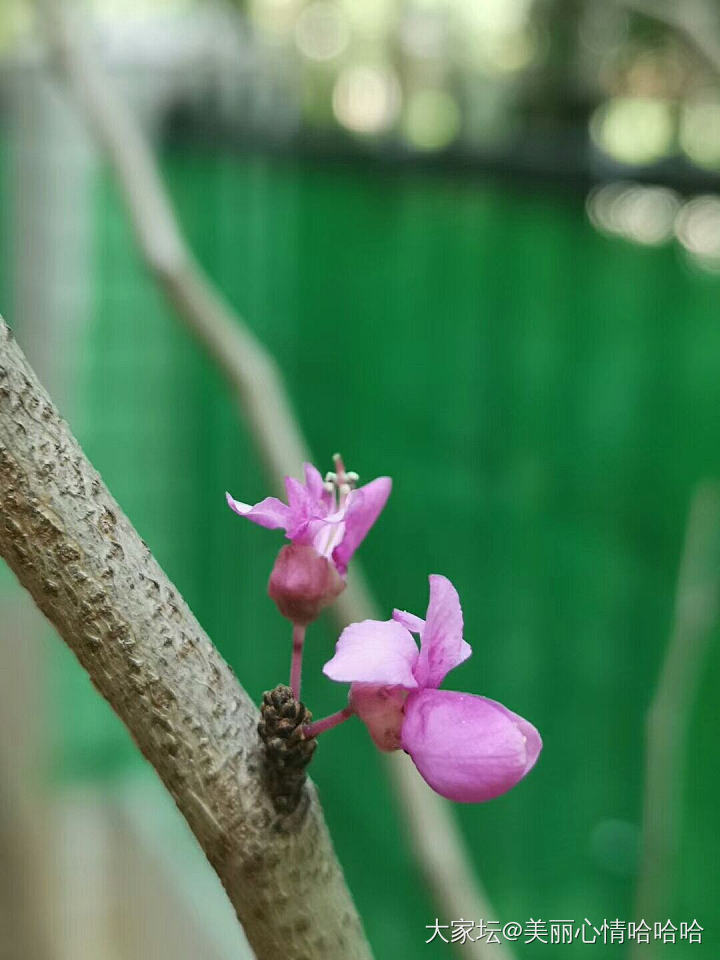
(374, 651)
(299, 498)
(469, 749)
(316, 488)
(409, 621)
(270, 512)
(363, 508)
(442, 646)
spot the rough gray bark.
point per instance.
(93, 577)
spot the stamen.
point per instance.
(344, 492)
(340, 482)
(339, 466)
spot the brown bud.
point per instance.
(287, 750)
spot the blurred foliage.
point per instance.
(522, 79)
(544, 395)
(544, 398)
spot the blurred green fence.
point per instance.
(544, 398)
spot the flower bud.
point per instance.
(303, 582)
(381, 710)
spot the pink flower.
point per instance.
(329, 519)
(468, 748)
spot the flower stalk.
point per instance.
(296, 661)
(327, 723)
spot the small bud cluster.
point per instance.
(288, 750)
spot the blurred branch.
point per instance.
(449, 876)
(248, 368)
(670, 712)
(696, 20)
(262, 400)
(94, 578)
(27, 881)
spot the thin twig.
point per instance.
(453, 884)
(262, 401)
(670, 712)
(697, 22)
(696, 604)
(247, 367)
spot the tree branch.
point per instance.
(94, 578)
(669, 714)
(247, 367)
(262, 400)
(696, 21)
(457, 891)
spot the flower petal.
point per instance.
(325, 534)
(321, 497)
(363, 508)
(299, 499)
(442, 646)
(468, 748)
(409, 621)
(270, 512)
(374, 651)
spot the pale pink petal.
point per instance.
(374, 651)
(442, 646)
(326, 534)
(313, 481)
(468, 748)
(363, 508)
(381, 710)
(299, 499)
(409, 621)
(270, 512)
(533, 743)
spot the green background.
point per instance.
(545, 399)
